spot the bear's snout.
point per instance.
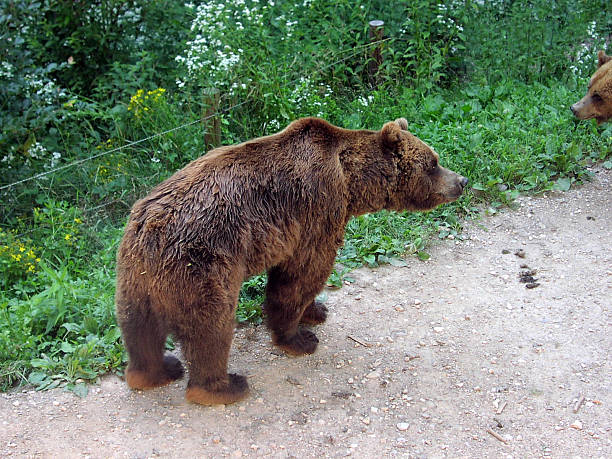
(463, 182)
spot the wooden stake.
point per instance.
(377, 31)
(212, 124)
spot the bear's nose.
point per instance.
(573, 109)
(464, 181)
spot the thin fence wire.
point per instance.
(352, 53)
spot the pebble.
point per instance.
(373, 375)
(576, 425)
(402, 426)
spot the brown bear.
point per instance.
(278, 204)
(598, 100)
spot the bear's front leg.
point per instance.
(290, 299)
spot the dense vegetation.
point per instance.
(102, 99)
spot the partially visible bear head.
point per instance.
(422, 183)
(598, 101)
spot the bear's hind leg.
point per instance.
(206, 340)
(144, 339)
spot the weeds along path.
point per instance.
(454, 357)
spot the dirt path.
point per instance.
(452, 349)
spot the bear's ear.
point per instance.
(402, 123)
(602, 58)
(391, 135)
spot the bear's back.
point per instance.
(258, 200)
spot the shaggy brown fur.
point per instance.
(278, 203)
(597, 103)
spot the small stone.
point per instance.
(438, 329)
(576, 425)
(56, 403)
(520, 253)
(216, 440)
(373, 375)
(322, 402)
(16, 403)
(402, 426)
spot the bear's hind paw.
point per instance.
(237, 389)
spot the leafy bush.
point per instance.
(536, 40)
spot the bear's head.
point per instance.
(421, 182)
(598, 100)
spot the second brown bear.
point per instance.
(278, 204)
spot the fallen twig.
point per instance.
(359, 342)
(578, 403)
(501, 408)
(496, 435)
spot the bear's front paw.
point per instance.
(314, 314)
(303, 342)
(171, 370)
(222, 392)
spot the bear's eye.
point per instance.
(596, 98)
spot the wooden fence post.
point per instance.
(211, 122)
(377, 31)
